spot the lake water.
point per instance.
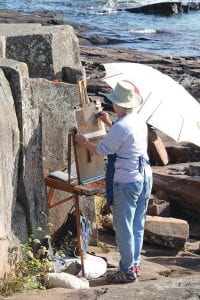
(177, 35)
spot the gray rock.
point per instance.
(19, 222)
(182, 190)
(2, 46)
(160, 8)
(10, 29)
(9, 156)
(170, 289)
(45, 49)
(183, 69)
(73, 74)
(55, 102)
(31, 190)
(166, 289)
(45, 18)
(158, 207)
(167, 232)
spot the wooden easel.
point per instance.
(84, 100)
(68, 186)
(71, 185)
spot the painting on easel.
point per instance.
(88, 123)
(90, 167)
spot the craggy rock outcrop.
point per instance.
(160, 8)
(183, 69)
(56, 101)
(9, 157)
(33, 112)
(45, 49)
(31, 191)
(165, 8)
(50, 107)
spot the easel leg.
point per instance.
(79, 234)
(50, 196)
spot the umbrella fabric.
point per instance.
(167, 105)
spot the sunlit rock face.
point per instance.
(35, 113)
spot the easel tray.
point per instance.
(94, 188)
(89, 189)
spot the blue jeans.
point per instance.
(129, 214)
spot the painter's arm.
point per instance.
(82, 140)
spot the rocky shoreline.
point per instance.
(157, 264)
(184, 69)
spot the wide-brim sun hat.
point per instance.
(125, 94)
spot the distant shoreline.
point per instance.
(92, 36)
(173, 66)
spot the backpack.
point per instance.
(65, 238)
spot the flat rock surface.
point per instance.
(163, 277)
(186, 70)
(44, 18)
(165, 274)
(168, 289)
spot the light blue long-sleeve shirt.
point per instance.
(128, 138)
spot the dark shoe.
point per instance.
(121, 277)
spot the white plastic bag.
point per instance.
(94, 266)
(65, 280)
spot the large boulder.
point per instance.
(167, 232)
(45, 49)
(55, 101)
(9, 157)
(35, 114)
(31, 190)
(161, 8)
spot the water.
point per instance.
(176, 35)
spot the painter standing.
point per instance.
(127, 139)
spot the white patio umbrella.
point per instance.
(167, 105)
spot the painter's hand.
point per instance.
(104, 116)
(80, 138)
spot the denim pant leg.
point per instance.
(126, 196)
(124, 206)
(140, 218)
